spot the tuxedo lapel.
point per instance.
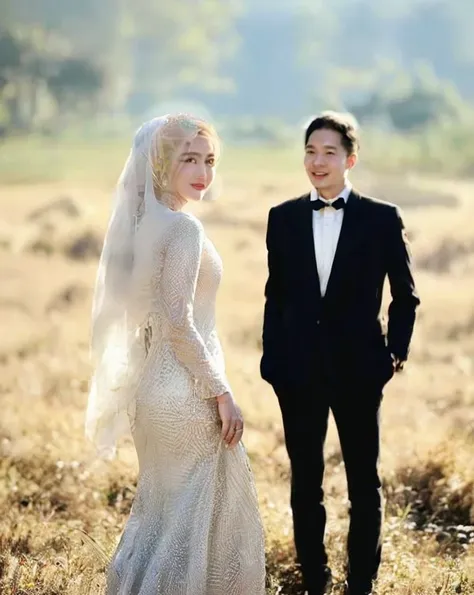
(350, 234)
(308, 253)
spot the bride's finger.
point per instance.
(237, 437)
(225, 427)
(231, 431)
(238, 426)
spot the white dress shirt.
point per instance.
(326, 229)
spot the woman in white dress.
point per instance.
(195, 527)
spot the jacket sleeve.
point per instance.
(274, 295)
(405, 298)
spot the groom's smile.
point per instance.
(327, 162)
(318, 176)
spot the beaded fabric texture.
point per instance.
(194, 527)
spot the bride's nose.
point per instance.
(201, 174)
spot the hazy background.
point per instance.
(256, 67)
(76, 79)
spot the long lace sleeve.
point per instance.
(178, 286)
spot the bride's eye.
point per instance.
(190, 160)
(211, 161)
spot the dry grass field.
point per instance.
(62, 511)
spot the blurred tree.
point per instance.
(91, 30)
(21, 68)
(148, 50)
(10, 61)
(296, 56)
(179, 47)
(10, 57)
(34, 63)
(75, 84)
(412, 102)
(353, 46)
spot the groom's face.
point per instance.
(326, 160)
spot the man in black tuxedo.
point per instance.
(324, 346)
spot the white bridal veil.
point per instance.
(117, 320)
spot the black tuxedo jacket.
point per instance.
(340, 335)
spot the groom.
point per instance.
(324, 347)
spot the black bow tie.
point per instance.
(319, 204)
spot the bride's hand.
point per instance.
(231, 418)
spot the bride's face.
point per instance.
(194, 168)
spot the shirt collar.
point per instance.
(344, 193)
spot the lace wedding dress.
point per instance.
(194, 528)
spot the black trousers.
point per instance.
(305, 413)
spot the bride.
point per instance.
(195, 527)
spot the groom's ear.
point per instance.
(351, 160)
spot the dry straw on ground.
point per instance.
(61, 512)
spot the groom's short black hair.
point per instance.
(344, 124)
